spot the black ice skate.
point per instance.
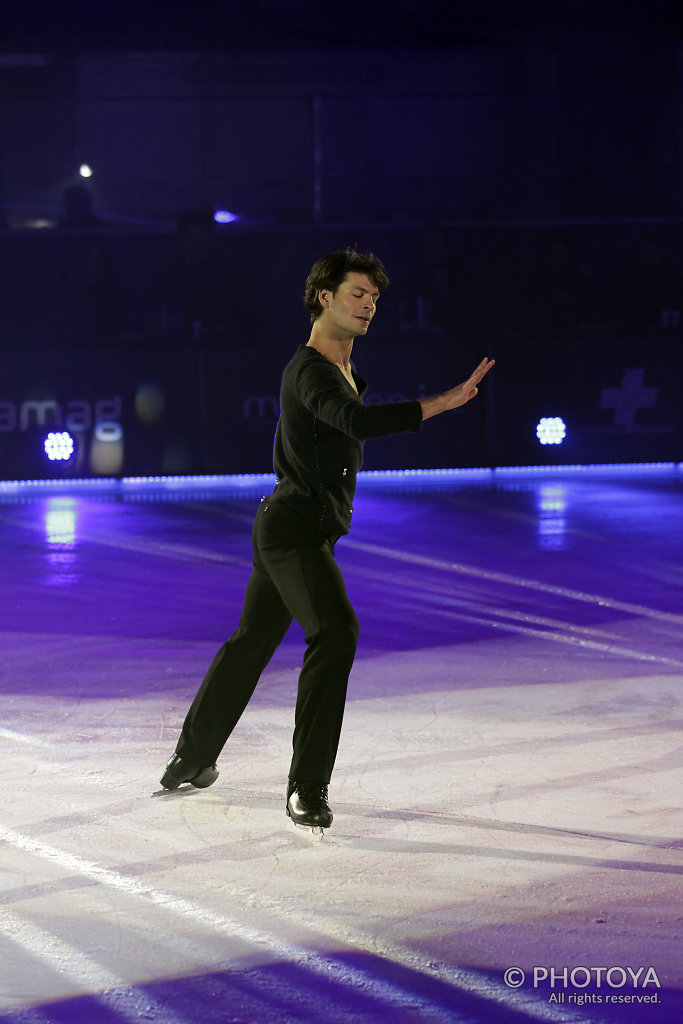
(307, 807)
(179, 771)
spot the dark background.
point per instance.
(520, 129)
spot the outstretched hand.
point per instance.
(457, 396)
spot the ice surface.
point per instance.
(507, 792)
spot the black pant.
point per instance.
(296, 577)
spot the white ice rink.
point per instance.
(507, 793)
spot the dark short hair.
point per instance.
(330, 271)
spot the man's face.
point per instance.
(351, 308)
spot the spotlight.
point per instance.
(59, 446)
(551, 430)
(85, 171)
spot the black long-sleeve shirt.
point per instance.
(319, 439)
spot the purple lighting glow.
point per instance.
(224, 217)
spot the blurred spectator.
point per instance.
(650, 291)
(441, 296)
(558, 297)
(198, 297)
(78, 208)
(88, 305)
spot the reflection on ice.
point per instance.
(60, 534)
(552, 524)
(60, 521)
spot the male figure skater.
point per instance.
(317, 454)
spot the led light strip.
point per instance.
(243, 481)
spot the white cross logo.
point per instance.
(628, 398)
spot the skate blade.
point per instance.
(312, 831)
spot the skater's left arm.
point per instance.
(457, 396)
(328, 396)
